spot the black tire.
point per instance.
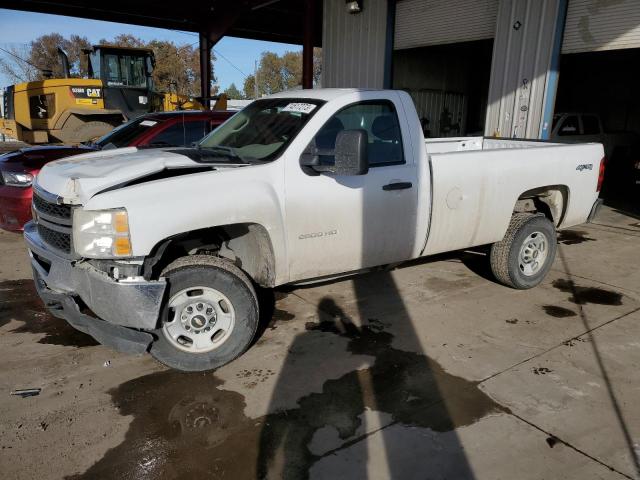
(505, 255)
(213, 272)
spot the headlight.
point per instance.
(17, 179)
(101, 233)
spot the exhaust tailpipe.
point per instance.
(64, 60)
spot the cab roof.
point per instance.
(322, 93)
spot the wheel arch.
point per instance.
(551, 200)
(246, 245)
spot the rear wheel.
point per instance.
(524, 256)
(210, 317)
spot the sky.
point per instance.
(22, 27)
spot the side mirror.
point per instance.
(350, 155)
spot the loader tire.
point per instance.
(79, 130)
(525, 255)
(91, 131)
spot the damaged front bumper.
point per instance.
(123, 307)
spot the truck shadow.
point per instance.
(581, 296)
(386, 402)
(192, 425)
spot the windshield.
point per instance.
(125, 70)
(261, 130)
(126, 133)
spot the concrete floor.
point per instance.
(430, 371)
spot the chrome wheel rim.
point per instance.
(533, 253)
(200, 319)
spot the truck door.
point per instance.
(344, 223)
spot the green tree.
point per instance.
(277, 73)
(249, 87)
(233, 93)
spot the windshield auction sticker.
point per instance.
(300, 107)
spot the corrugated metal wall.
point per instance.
(421, 23)
(601, 25)
(353, 45)
(526, 30)
(446, 112)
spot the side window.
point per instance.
(569, 126)
(195, 131)
(112, 70)
(378, 119)
(180, 134)
(590, 125)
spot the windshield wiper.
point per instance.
(158, 144)
(230, 151)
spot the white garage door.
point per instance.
(601, 25)
(420, 23)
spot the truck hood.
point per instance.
(80, 177)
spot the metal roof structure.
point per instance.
(284, 21)
(271, 20)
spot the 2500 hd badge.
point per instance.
(304, 236)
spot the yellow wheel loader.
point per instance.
(75, 110)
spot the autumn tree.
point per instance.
(40, 58)
(15, 66)
(177, 66)
(124, 40)
(277, 73)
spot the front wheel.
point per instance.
(210, 317)
(524, 256)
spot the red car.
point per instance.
(167, 129)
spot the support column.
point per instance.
(526, 53)
(553, 76)
(388, 49)
(205, 70)
(307, 45)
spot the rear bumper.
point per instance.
(15, 207)
(119, 305)
(594, 210)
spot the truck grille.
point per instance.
(51, 209)
(58, 240)
(54, 222)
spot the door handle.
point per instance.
(397, 186)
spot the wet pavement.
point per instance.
(430, 371)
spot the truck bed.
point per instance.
(477, 182)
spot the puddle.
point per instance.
(19, 301)
(573, 237)
(558, 312)
(584, 295)
(187, 425)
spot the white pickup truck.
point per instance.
(159, 250)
